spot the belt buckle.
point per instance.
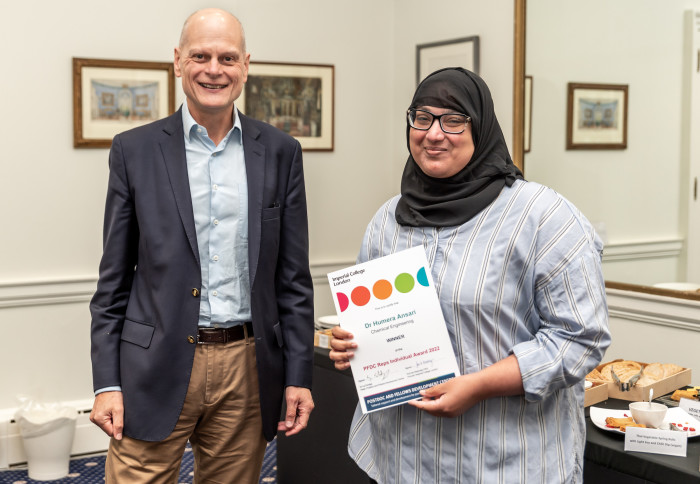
(200, 342)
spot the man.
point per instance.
(203, 315)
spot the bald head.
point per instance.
(208, 17)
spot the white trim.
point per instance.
(15, 294)
(319, 271)
(648, 249)
(47, 291)
(654, 309)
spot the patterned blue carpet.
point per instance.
(90, 470)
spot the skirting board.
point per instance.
(88, 437)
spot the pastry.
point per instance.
(624, 370)
(653, 371)
(689, 393)
(622, 423)
(624, 427)
(595, 375)
(618, 421)
(671, 369)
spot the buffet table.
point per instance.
(606, 458)
(319, 453)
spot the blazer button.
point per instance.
(195, 292)
(190, 339)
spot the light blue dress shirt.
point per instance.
(219, 190)
(522, 277)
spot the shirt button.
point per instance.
(213, 154)
(216, 222)
(215, 293)
(195, 292)
(199, 130)
(215, 187)
(216, 258)
(190, 339)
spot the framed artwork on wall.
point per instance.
(296, 98)
(111, 96)
(596, 117)
(462, 52)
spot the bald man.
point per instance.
(202, 322)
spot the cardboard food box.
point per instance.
(640, 393)
(596, 394)
(322, 338)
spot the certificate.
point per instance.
(391, 308)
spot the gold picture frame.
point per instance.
(111, 96)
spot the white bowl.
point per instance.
(650, 414)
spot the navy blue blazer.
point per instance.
(146, 306)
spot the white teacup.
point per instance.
(648, 413)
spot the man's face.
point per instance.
(212, 65)
(440, 154)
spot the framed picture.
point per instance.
(596, 117)
(527, 126)
(111, 96)
(296, 98)
(462, 52)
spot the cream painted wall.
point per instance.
(416, 24)
(637, 193)
(53, 195)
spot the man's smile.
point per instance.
(213, 86)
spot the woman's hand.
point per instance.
(456, 396)
(450, 399)
(341, 348)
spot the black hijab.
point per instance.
(445, 202)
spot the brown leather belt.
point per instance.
(224, 335)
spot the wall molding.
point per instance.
(47, 291)
(23, 293)
(648, 249)
(654, 309)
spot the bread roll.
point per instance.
(624, 370)
(671, 369)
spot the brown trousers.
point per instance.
(220, 418)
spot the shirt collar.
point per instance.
(188, 122)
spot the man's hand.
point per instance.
(108, 413)
(299, 406)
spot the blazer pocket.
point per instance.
(137, 333)
(278, 335)
(270, 213)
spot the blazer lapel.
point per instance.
(254, 152)
(172, 145)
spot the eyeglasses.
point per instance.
(449, 122)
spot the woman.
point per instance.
(517, 271)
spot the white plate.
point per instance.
(678, 286)
(328, 321)
(675, 415)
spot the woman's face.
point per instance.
(440, 154)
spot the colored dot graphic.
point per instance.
(382, 289)
(360, 296)
(404, 282)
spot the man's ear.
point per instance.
(176, 62)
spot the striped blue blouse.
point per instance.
(522, 277)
